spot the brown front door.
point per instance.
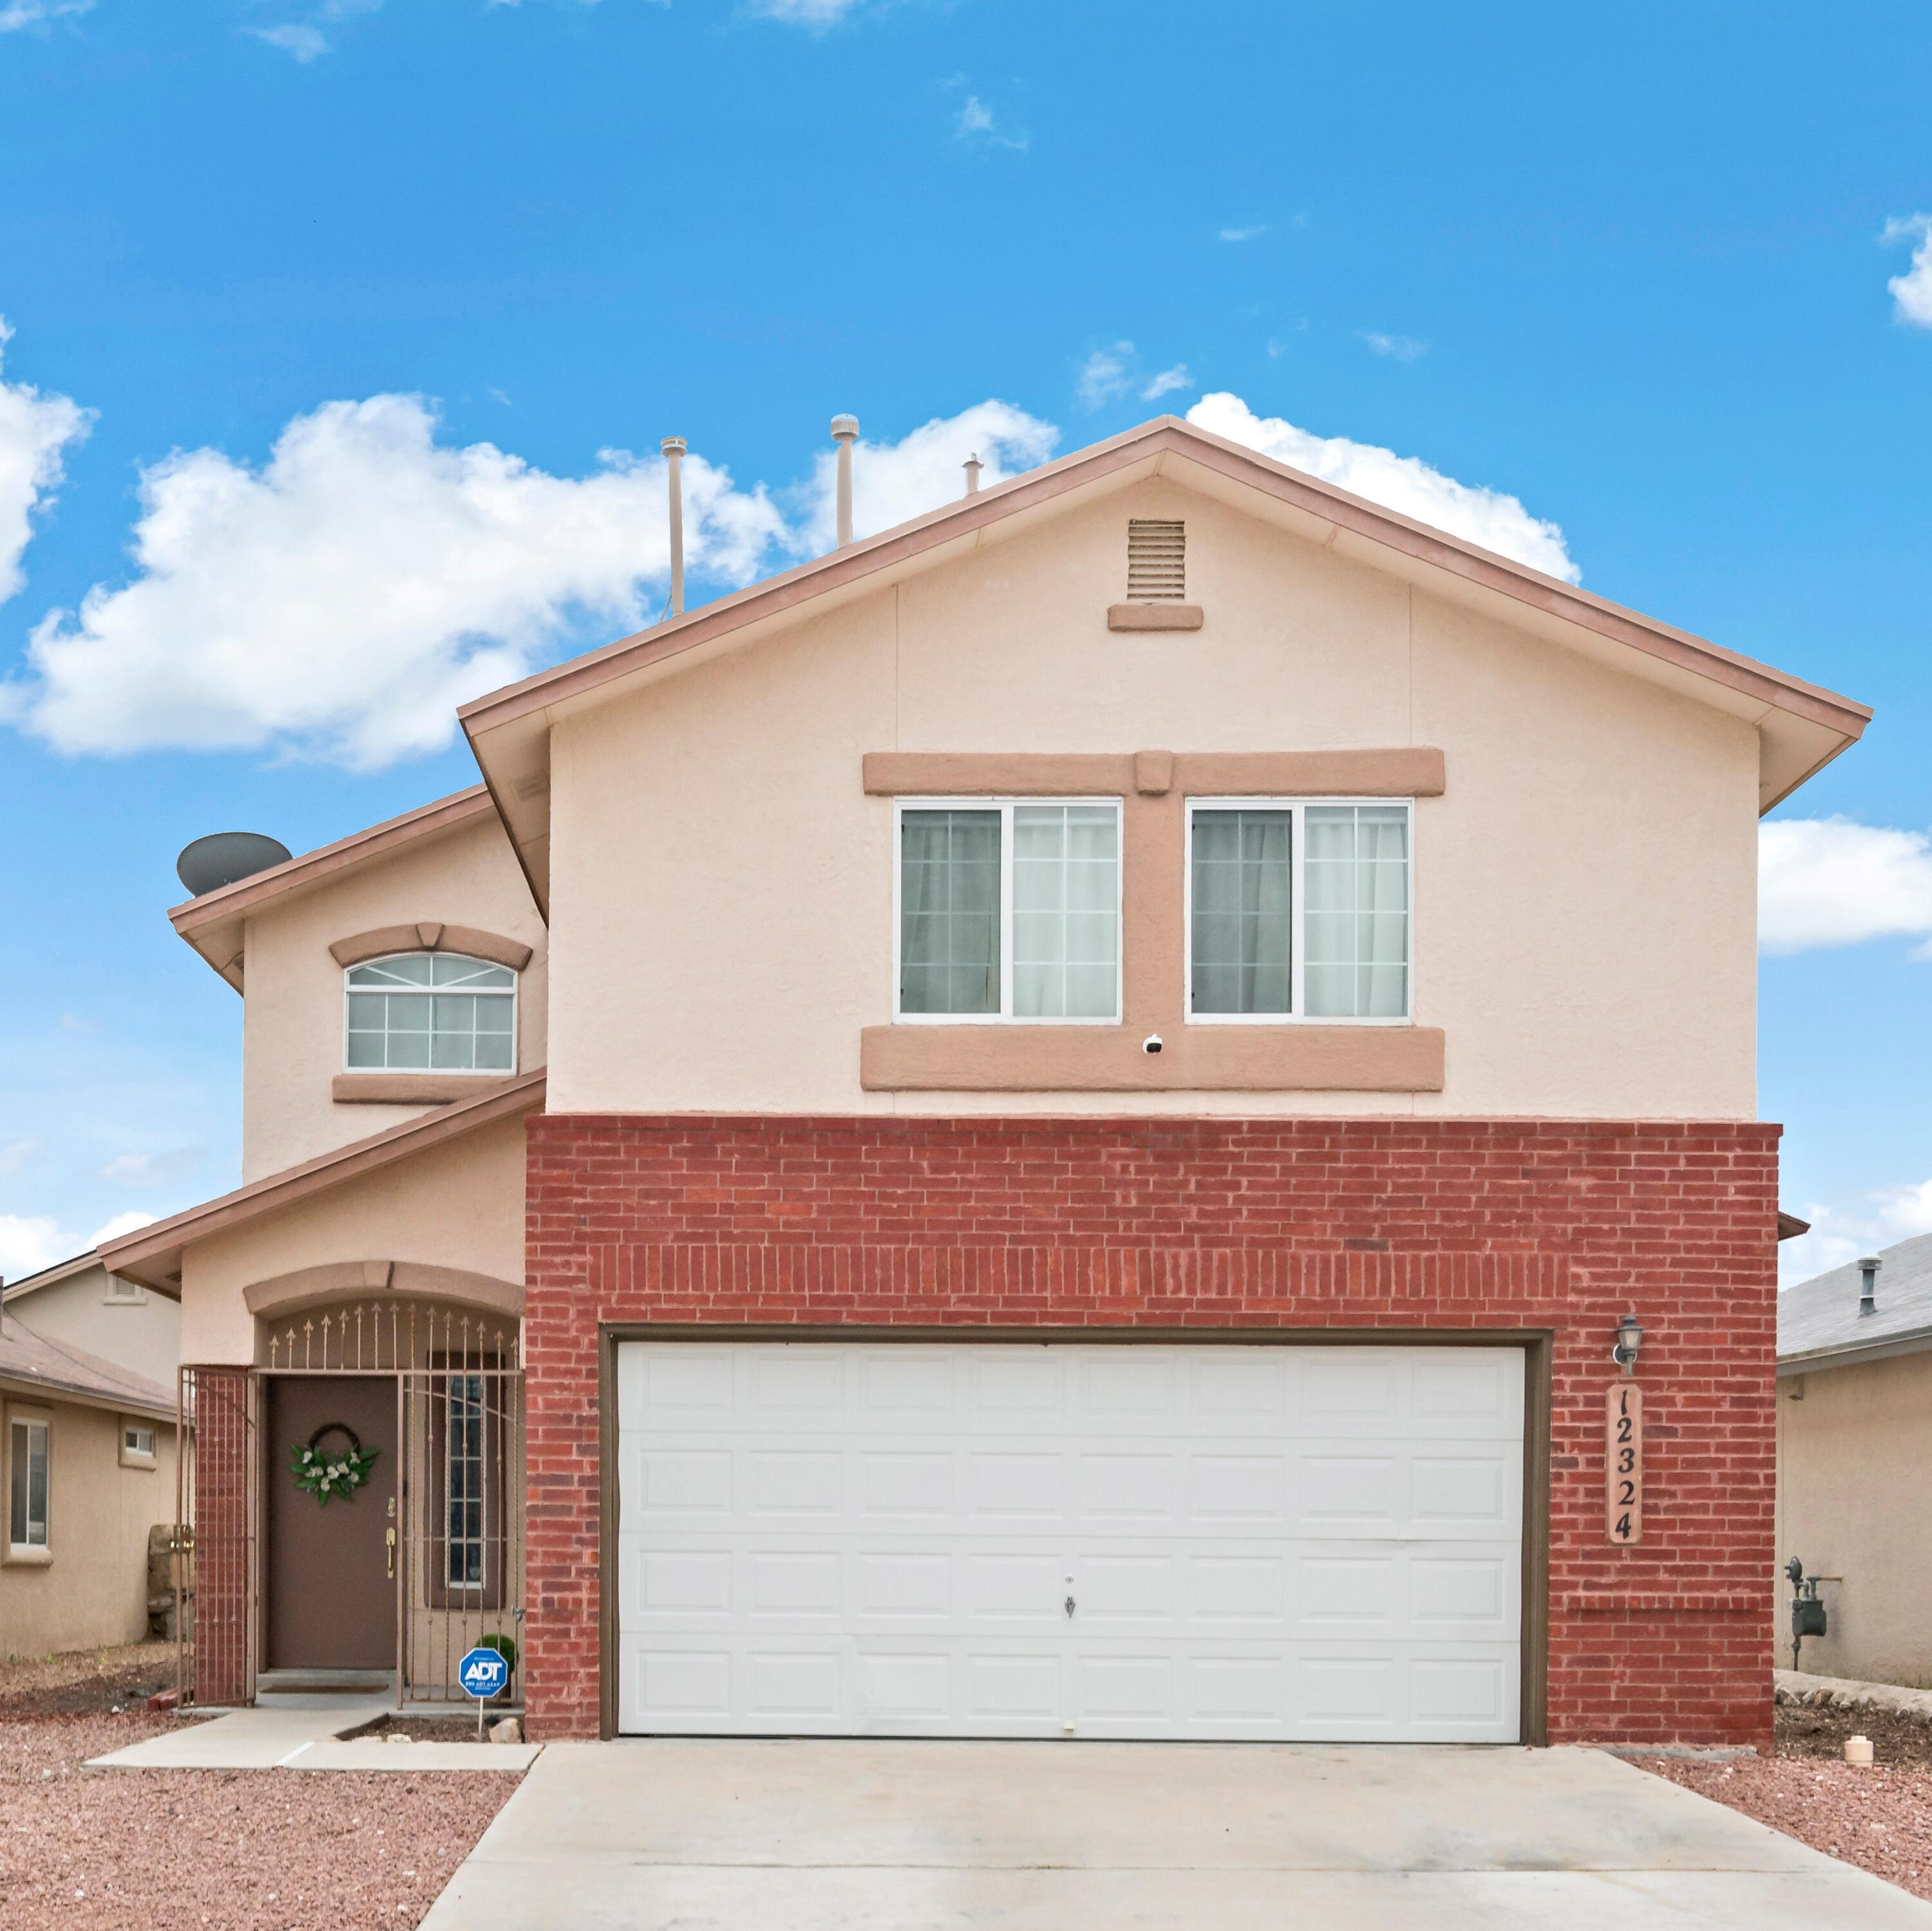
(332, 1595)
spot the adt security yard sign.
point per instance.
(483, 1673)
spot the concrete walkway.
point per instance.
(729, 1836)
(307, 1733)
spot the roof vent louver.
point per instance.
(1157, 561)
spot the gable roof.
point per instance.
(213, 924)
(152, 1255)
(30, 1362)
(48, 1277)
(1820, 1326)
(1800, 726)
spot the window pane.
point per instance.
(27, 1485)
(469, 1031)
(1243, 883)
(1356, 894)
(950, 911)
(1067, 917)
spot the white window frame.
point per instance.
(1298, 1014)
(1006, 1016)
(132, 1455)
(513, 992)
(31, 1418)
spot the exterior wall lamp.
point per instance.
(1630, 1339)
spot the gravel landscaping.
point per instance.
(181, 1850)
(1880, 1819)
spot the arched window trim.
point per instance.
(431, 991)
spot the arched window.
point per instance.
(430, 1012)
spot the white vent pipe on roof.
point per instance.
(1868, 1284)
(844, 432)
(973, 466)
(673, 448)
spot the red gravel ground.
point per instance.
(179, 1850)
(1880, 1819)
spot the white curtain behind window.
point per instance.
(950, 911)
(1355, 898)
(1066, 890)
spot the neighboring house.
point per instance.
(1855, 1461)
(87, 1455)
(1042, 1126)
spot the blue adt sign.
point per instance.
(483, 1672)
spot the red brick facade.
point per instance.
(1408, 1224)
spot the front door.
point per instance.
(329, 1568)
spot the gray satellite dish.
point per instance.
(223, 857)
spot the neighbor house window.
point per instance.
(1010, 910)
(431, 1013)
(27, 1484)
(1297, 910)
(137, 1445)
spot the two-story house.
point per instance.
(1043, 1126)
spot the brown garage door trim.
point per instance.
(1535, 1342)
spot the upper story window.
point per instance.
(1298, 910)
(1009, 908)
(430, 1012)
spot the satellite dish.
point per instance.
(223, 857)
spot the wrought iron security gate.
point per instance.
(211, 1557)
(457, 1545)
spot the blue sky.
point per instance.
(332, 322)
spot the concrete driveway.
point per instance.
(795, 1836)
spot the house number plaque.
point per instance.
(1623, 1491)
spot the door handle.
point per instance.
(389, 1553)
(1069, 1606)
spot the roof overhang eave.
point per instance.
(1850, 1353)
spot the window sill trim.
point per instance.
(28, 1558)
(1385, 1056)
(412, 1088)
(1153, 616)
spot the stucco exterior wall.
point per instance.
(93, 1590)
(137, 1330)
(1855, 1499)
(293, 1023)
(459, 1205)
(1585, 889)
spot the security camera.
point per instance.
(1151, 1043)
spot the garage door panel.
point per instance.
(1268, 1542)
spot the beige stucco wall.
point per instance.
(459, 1205)
(1855, 1499)
(721, 914)
(136, 1330)
(292, 1024)
(94, 1590)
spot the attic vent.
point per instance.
(1157, 561)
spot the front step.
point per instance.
(326, 1683)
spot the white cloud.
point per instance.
(297, 38)
(1830, 1243)
(1834, 882)
(120, 1224)
(340, 601)
(892, 482)
(1105, 374)
(29, 1243)
(18, 13)
(976, 122)
(151, 1169)
(14, 1154)
(1244, 234)
(34, 429)
(1912, 292)
(817, 14)
(1397, 348)
(1404, 484)
(1840, 1235)
(1167, 382)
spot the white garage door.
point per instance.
(1018, 1539)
